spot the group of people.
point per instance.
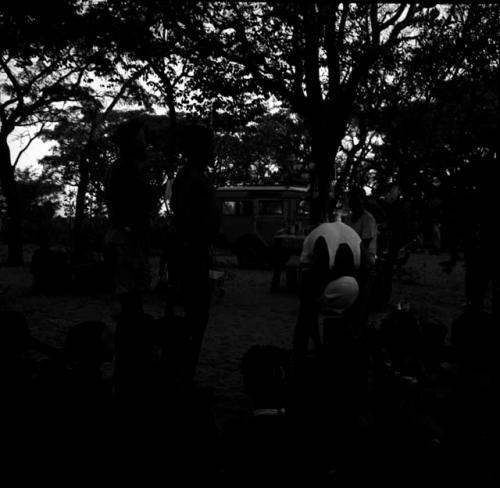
(301, 401)
(340, 265)
(338, 258)
(338, 268)
(195, 226)
(311, 433)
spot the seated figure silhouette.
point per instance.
(265, 449)
(88, 346)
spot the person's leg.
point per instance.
(435, 238)
(307, 320)
(173, 331)
(387, 274)
(132, 335)
(196, 293)
(174, 270)
(128, 346)
(362, 305)
(279, 258)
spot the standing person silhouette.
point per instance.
(196, 220)
(393, 236)
(129, 201)
(364, 223)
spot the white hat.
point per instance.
(339, 295)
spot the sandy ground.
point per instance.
(244, 313)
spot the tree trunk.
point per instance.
(13, 216)
(172, 150)
(323, 165)
(495, 177)
(326, 138)
(350, 163)
(78, 242)
(96, 120)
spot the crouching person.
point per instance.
(332, 250)
(331, 262)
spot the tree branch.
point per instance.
(182, 73)
(372, 52)
(375, 28)
(250, 60)
(313, 83)
(122, 91)
(297, 63)
(332, 51)
(3, 118)
(402, 24)
(395, 17)
(4, 105)
(77, 82)
(15, 83)
(342, 24)
(350, 163)
(48, 69)
(28, 144)
(168, 86)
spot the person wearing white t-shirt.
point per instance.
(334, 234)
(332, 250)
(363, 222)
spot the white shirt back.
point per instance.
(334, 233)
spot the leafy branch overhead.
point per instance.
(309, 92)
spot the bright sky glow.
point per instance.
(36, 151)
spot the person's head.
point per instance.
(339, 295)
(265, 372)
(393, 193)
(130, 137)
(357, 198)
(196, 143)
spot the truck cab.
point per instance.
(252, 215)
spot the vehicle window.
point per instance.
(270, 207)
(228, 208)
(237, 207)
(302, 207)
(246, 208)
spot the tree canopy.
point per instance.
(312, 92)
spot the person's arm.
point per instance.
(210, 210)
(369, 238)
(314, 278)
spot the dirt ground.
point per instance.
(244, 313)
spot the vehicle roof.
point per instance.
(261, 189)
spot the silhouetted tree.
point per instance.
(42, 67)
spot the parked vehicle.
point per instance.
(252, 215)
